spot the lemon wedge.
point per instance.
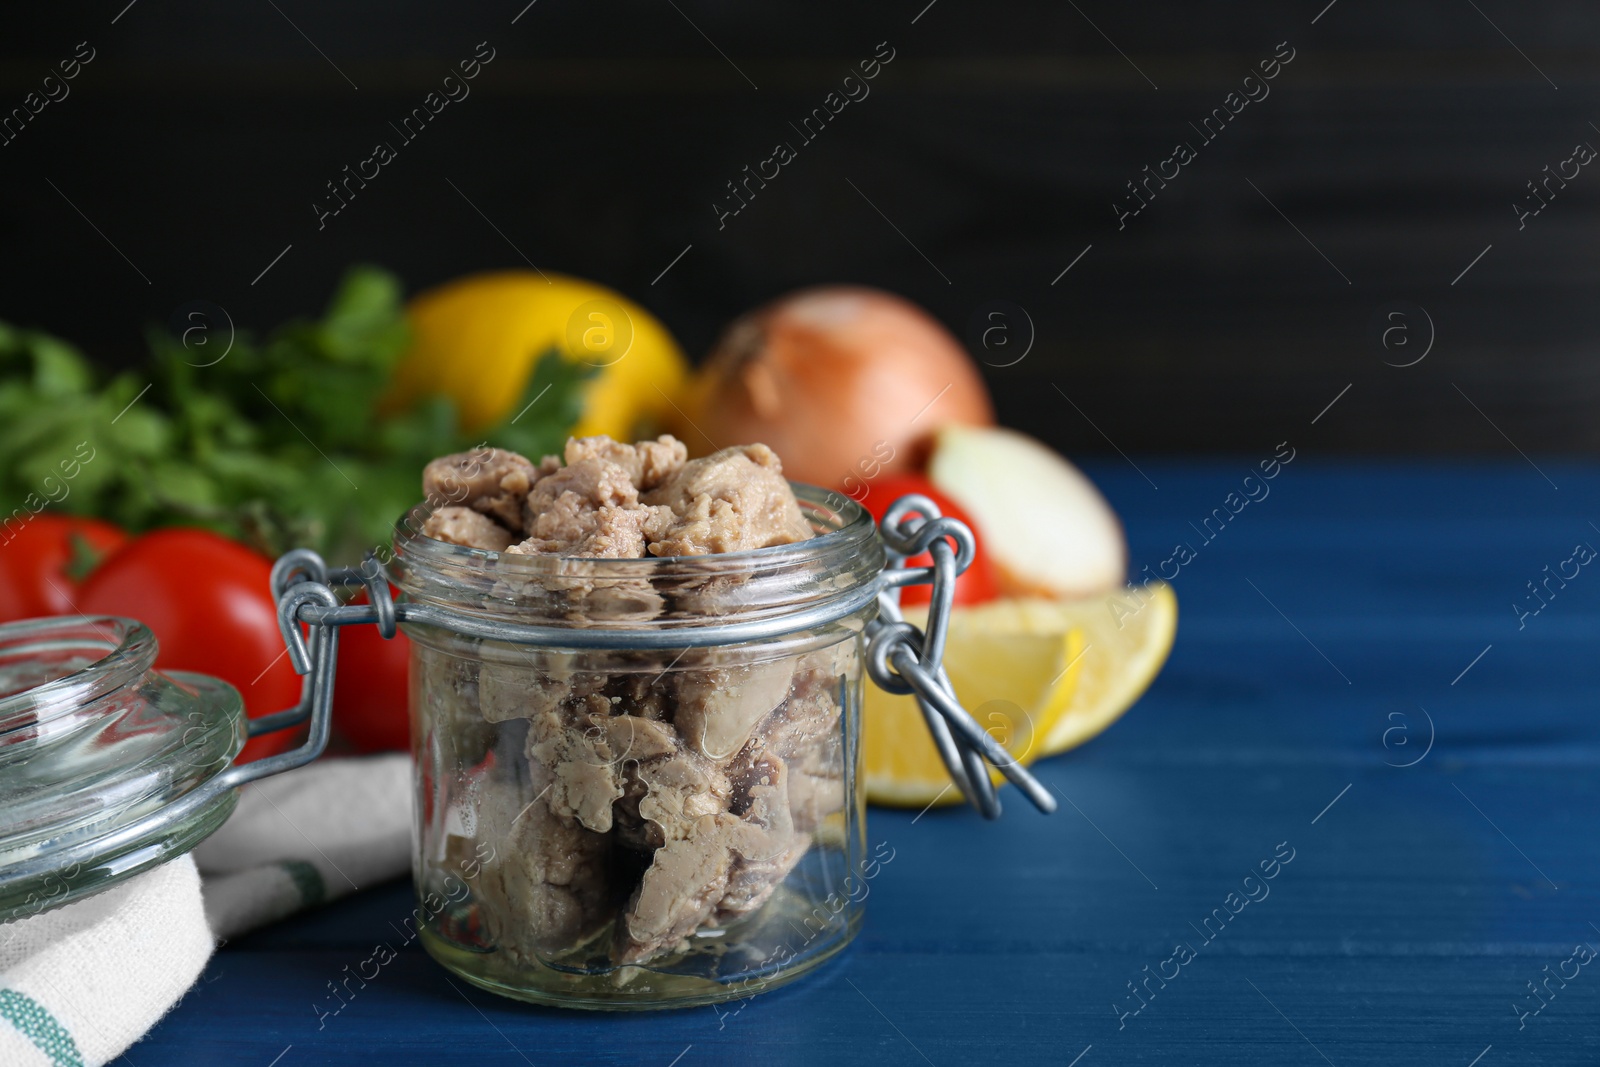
(1040, 676)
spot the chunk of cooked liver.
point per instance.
(678, 893)
(492, 481)
(716, 868)
(730, 501)
(667, 787)
(719, 706)
(648, 463)
(548, 886)
(571, 528)
(804, 732)
(589, 508)
(726, 833)
(769, 845)
(468, 528)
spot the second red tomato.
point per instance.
(978, 583)
(370, 688)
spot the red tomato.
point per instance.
(370, 688)
(209, 602)
(973, 587)
(38, 560)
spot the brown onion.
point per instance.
(843, 382)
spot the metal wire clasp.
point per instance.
(903, 659)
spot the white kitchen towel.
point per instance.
(79, 984)
(307, 836)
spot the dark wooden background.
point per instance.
(996, 141)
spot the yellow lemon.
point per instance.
(1127, 638)
(1041, 676)
(476, 340)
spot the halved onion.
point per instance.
(1046, 527)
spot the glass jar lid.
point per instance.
(104, 761)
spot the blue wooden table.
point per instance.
(1432, 913)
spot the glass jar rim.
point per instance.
(127, 651)
(837, 563)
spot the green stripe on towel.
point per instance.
(308, 880)
(34, 1021)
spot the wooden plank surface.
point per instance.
(1419, 902)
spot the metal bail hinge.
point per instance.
(902, 659)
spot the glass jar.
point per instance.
(638, 780)
(671, 820)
